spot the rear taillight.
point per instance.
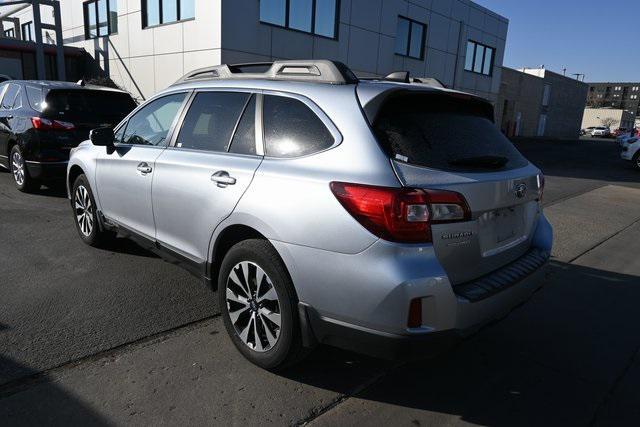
(415, 313)
(41, 123)
(400, 214)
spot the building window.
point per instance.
(9, 33)
(27, 31)
(319, 17)
(158, 12)
(100, 18)
(635, 88)
(634, 97)
(410, 36)
(479, 58)
(618, 88)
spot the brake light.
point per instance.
(402, 215)
(41, 123)
(415, 313)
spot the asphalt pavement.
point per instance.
(119, 336)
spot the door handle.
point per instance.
(144, 168)
(223, 179)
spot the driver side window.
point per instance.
(151, 124)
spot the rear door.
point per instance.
(124, 174)
(201, 177)
(442, 141)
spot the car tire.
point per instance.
(636, 161)
(251, 316)
(18, 168)
(85, 213)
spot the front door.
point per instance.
(125, 173)
(199, 181)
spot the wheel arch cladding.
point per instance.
(74, 173)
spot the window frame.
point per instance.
(10, 33)
(18, 97)
(423, 42)
(144, 12)
(187, 106)
(484, 57)
(29, 26)
(85, 14)
(287, 5)
(328, 123)
(170, 133)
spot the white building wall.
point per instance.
(145, 61)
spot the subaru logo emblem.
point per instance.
(520, 190)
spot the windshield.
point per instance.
(445, 132)
(89, 105)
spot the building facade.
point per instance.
(612, 118)
(540, 103)
(621, 96)
(145, 45)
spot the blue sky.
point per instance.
(600, 38)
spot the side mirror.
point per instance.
(102, 137)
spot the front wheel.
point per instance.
(21, 176)
(85, 213)
(259, 305)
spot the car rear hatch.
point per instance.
(71, 113)
(439, 140)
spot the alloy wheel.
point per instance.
(84, 210)
(17, 166)
(253, 306)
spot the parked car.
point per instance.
(587, 131)
(620, 131)
(40, 121)
(370, 215)
(631, 151)
(601, 131)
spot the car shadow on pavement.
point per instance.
(552, 361)
(583, 159)
(36, 400)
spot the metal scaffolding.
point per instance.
(38, 26)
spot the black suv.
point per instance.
(41, 121)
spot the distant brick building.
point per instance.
(621, 96)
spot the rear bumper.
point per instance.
(54, 171)
(361, 302)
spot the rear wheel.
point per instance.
(85, 213)
(18, 168)
(636, 160)
(258, 304)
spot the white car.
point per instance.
(601, 131)
(631, 151)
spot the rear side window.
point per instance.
(444, 132)
(34, 95)
(89, 105)
(12, 98)
(291, 129)
(211, 120)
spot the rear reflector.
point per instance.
(415, 313)
(402, 215)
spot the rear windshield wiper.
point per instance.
(491, 162)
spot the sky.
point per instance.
(599, 38)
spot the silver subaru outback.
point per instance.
(373, 215)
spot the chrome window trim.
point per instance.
(319, 112)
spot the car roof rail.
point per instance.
(318, 71)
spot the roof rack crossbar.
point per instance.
(320, 71)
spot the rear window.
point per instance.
(88, 104)
(444, 132)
